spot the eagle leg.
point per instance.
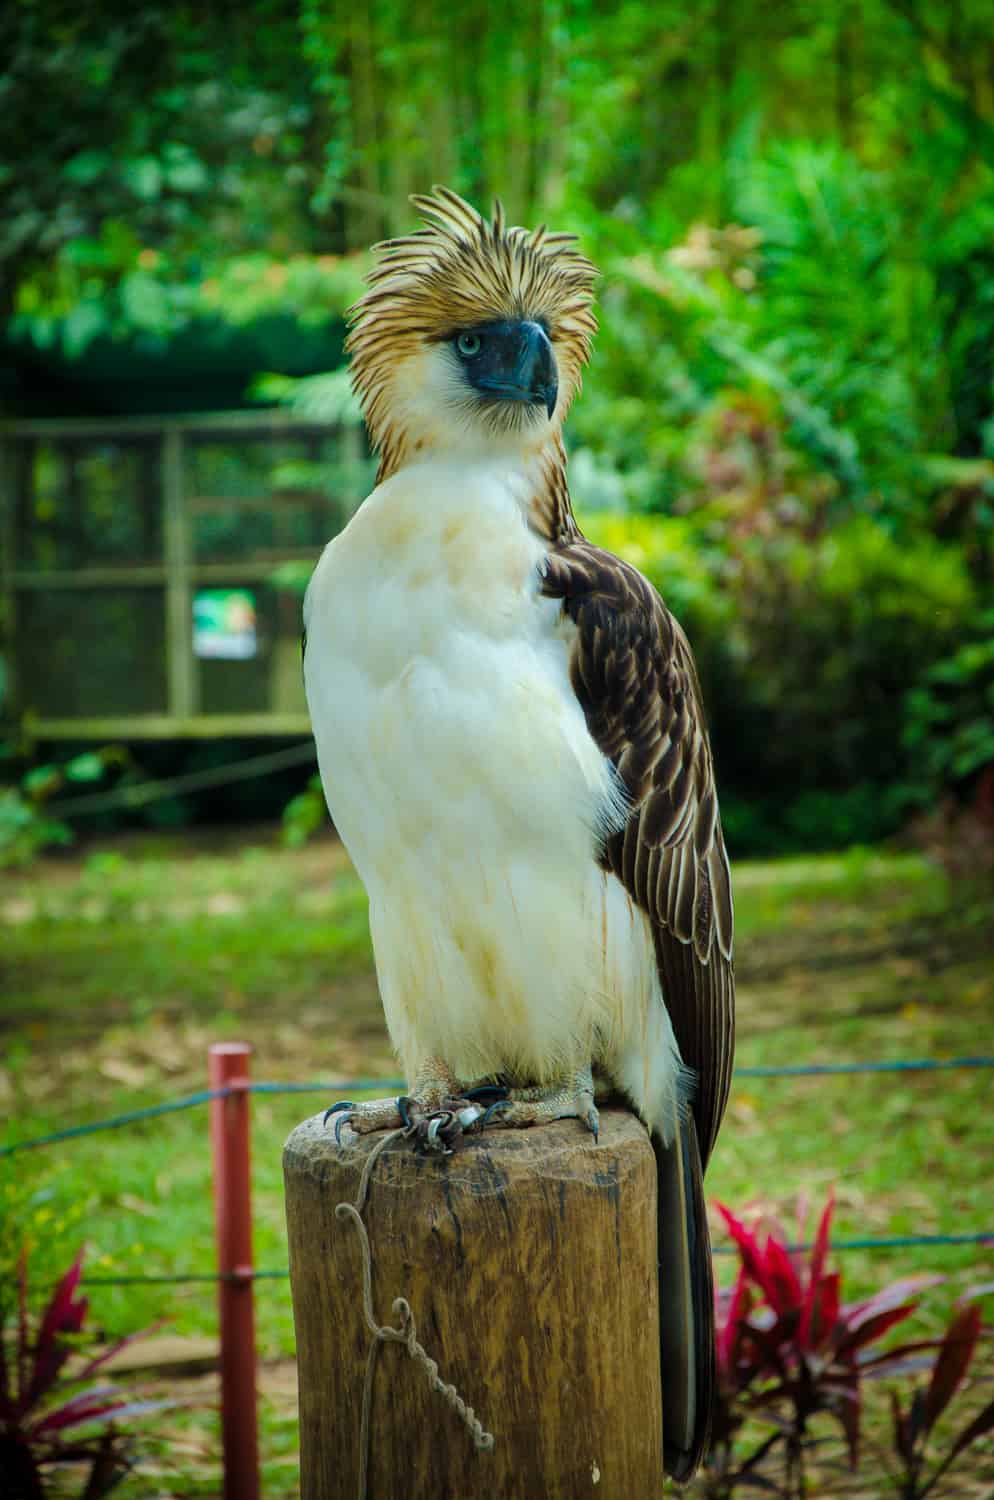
(433, 1116)
(571, 1097)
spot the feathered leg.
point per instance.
(686, 1301)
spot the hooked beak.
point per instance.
(536, 368)
(519, 365)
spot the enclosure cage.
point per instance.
(153, 569)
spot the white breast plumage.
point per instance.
(463, 781)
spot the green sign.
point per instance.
(224, 624)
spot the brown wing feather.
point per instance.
(634, 675)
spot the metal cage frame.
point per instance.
(177, 572)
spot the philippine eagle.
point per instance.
(511, 740)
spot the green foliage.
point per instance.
(831, 631)
(26, 825)
(142, 293)
(674, 556)
(169, 184)
(25, 830)
(809, 642)
(811, 299)
(304, 814)
(28, 1218)
(949, 718)
(330, 398)
(834, 168)
(793, 208)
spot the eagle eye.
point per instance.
(469, 344)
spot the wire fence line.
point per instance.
(331, 1088)
(883, 1242)
(139, 795)
(189, 1101)
(364, 1085)
(905, 1065)
(113, 1122)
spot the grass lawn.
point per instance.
(119, 966)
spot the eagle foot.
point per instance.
(573, 1098)
(432, 1129)
(439, 1133)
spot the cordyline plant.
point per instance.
(789, 1349)
(49, 1418)
(913, 1426)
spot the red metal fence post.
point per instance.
(228, 1064)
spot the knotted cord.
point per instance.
(405, 1332)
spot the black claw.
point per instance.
(404, 1102)
(342, 1120)
(496, 1108)
(495, 1092)
(592, 1121)
(439, 1133)
(345, 1104)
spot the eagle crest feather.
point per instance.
(458, 271)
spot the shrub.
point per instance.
(809, 638)
(829, 635)
(949, 718)
(50, 1418)
(305, 814)
(676, 558)
(914, 1425)
(790, 1350)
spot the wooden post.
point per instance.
(228, 1064)
(529, 1262)
(181, 666)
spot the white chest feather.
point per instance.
(463, 781)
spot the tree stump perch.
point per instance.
(528, 1259)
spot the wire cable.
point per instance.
(391, 1085)
(194, 781)
(881, 1242)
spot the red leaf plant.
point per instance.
(913, 1426)
(38, 1430)
(789, 1348)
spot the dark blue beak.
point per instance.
(514, 362)
(536, 371)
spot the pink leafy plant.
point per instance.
(916, 1472)
(49, 1415)
(789, 1349)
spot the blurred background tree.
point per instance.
(792, 396)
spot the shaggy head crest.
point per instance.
(462, 271)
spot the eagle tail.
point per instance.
(686, 1301)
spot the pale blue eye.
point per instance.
(468, 344)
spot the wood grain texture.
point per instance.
(529, 1260)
